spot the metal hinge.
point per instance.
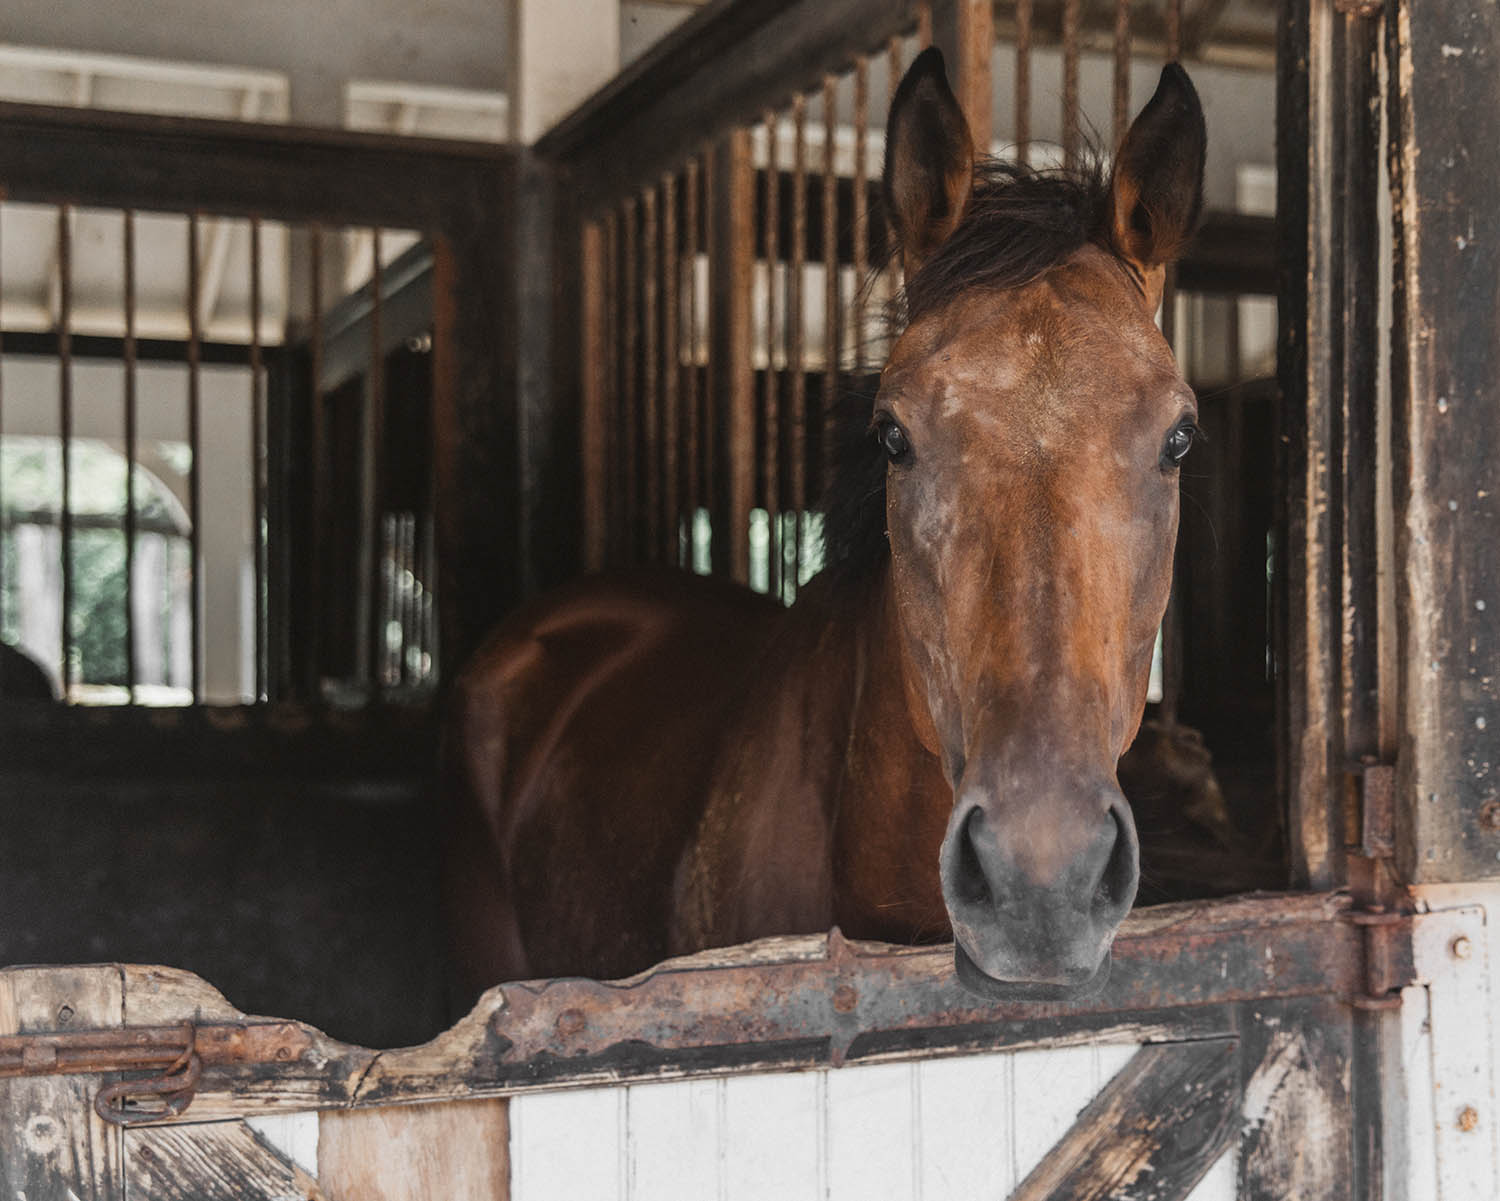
(1374, 785)
(1390, 964)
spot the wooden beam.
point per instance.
(1153, 1131)
(976, 43)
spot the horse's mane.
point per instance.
(1019, 222)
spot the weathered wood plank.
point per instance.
(221, 1161)
(416, 1152)
(1153, 1132)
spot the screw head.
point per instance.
(1489, 814)
(1461, 947)
(1468, 1119)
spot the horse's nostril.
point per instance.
(1117, 884)
(970, 884)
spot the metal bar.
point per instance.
(594, 349)
(732, 346)
(131, 430)
(693, 398)
(1023, 80)
(713, 395)
(771, 381)
(612, 432)
(1120, 108)
(195, 465)
(671, 373)
(376, 516)
(1174, 30)
(833, 314)
(861, 204)
(2, 426)
(796, 335)
(976, 43)
(924, 24)
(319, 422)
(650, 378)
(1071, 21)
(630, 417)
(65, 428)
(257, 464)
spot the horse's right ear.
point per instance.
(929, 160)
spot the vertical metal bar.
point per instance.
(713, 395)
(131, 450)
(976, 41)
(257, 464)
(65, 426)
(1023, 80)
(195, 465)
(1072, 19)
(1174, 30)
(861, 204)
(833, 314)
(1121, 95)
(732, 343)
(671, 372)
(594, 349)
(693, 397)
(630, 418)
(612, 436)
(376, 526)
(924, 24)
(319, 422)
(2, 431)
(771, 381)
(650, 380)
(796, 321)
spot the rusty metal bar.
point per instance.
(376, 516)
(733, 342)
(771, 381)
(319, 424)
(650, 378)
(976, 43)
(693, 400)
(671, 371)
(1174, 30)
(924, 24)
(833, 313)
(1023, 80)
(2, 432)
(1072, 20)
(612, 434)
(796, 333)
(1120, 107)
(630, 415)
(594, 405)
(713, 394)
(257, 463)
(195, 464)
(131, 449)
(65, 428)
(861, 214)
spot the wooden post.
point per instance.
(976, 41)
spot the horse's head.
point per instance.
(1034, 420)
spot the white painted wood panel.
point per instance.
(1221, 1182)
(929, 1130)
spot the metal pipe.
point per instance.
(376, 526)
(65, 425)
(257, 464)
(671, 376)
(195, 466)
(771, 389)
(796, 334)
(131, 450)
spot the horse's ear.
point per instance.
(1156, 192)
(929, 160)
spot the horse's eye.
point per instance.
(893, 439)
(1179, 442)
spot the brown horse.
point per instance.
(924, 745)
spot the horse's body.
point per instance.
(924, 746)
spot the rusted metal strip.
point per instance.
(650, 377)
(630, 377)
(1072, 20)
(128, 350)
(732, 365)
(833, 310)
(594, 349)
(1023, 80)
(613, 435)
(693, 394)
(2, 418)
(65, 429)
(257, 464)
(713, 392)
(796, 333)
(857, 996)
(195, 462)
(1174, 30)
(376, 514)
(671, 370)
(924, 24)
(771, 380)
(1120, 106)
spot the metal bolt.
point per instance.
(283, 1053)
(1468, 1119)
(64, 1015)
(571, 1022)
(1461, 947)
(1489, 814)
(845, 999)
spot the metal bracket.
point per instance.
(1389, 963)
(1374, 785)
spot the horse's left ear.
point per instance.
(1156, 192)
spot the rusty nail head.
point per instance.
(64, 1015)
(147, 1153)
(1489, 814)
(283, 1053)
(845, 998)
(1468, 1119)
(571, 1022)
(1461, 947)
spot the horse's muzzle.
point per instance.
(1036, 883)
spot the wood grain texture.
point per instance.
(1153, 1132)
(416, 1152)
(220, 1161)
